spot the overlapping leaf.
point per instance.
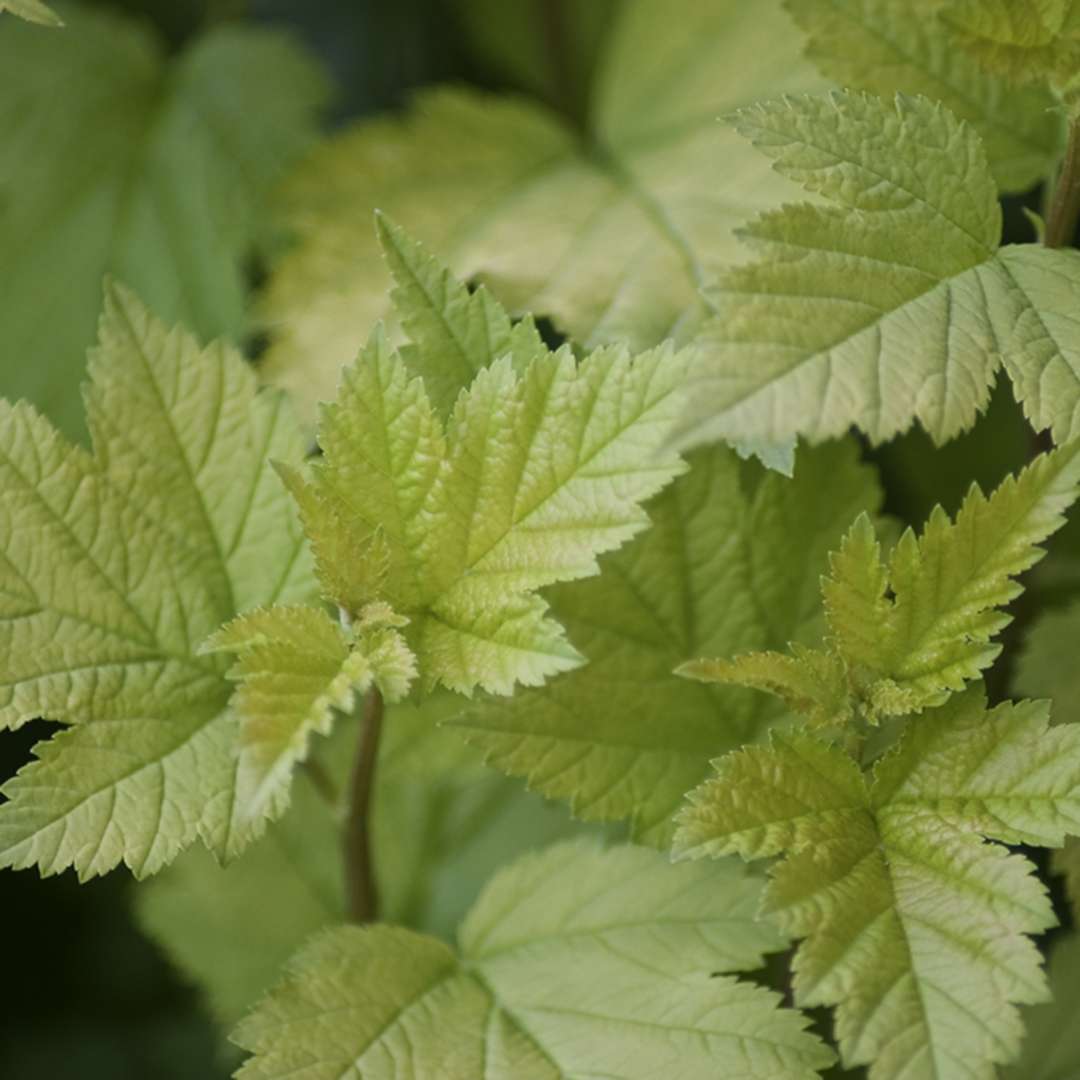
(885, 46)
(732, 560)
(906, 634)
(893, 305)
(115, 159)
(114, 566)
(916, 928)
(609, 233)
(574, 962)
(539, 468)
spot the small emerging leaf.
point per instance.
(295, 667)
(457, 522)
(810, 681)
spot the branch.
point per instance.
(361, 895)
(1065, 202)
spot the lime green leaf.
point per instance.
(764, 801)
(352, 565)
(809, 681)
(916, 927)
(609, 232)
(115, 566)
(885, 46)
(535, 473)
(33, 11)
(441, 825)
(732, 560)
(455, 334)
(1023, 39)
(295, 666)
(893, 305)
(905, 636)
(1004, 773)
(115, 159)
(948, 586)
(854, 595)
(1052, 1041)
(574, 962)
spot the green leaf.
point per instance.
(535, 473)
(1023, 39)
(115, 565)
(33, 11)
(1052, 1042)
(441, 825)
(948, 587)
(573, 962)
(916, 927)
(904, 636)
(885, 46)
(732, 561)
(811, 682)
(609, 231)
(893, 305)
(454, 333)
(295, 666)
(116, 159)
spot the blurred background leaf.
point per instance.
(116, 159)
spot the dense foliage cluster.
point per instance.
(307, 639)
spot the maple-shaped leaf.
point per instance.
(573, 962)
(916, 929)
(1023, 39)
(906, 633)
(885, 46)
(441, 824)
(732, 560)
(893, 302)
(540, 467)
(295, 666)
(115, 565)
(608, 231)
(118, 158)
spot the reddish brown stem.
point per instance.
(361, 893)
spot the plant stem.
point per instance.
(1065, 202)
(361, 895)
